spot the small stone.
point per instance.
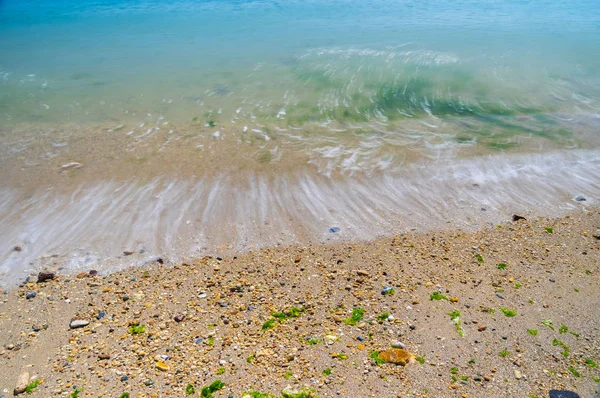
(149, 383)
(552, 279)
(104, 356)
(397, 356)
(82, 275)
(128, 253)
(18, 248)
(518, 374)
(580, 198)
(454, 299)
(517, 218)
(487, 378)
(482, 328)
(45, 276)
(78, 323)
(30, 295)
(100, 315)
(124, 378)
(361, 272)
(162, 366)
(179, 318)
(93, 272)
(22, 383)
(398, 344)
(334, 230)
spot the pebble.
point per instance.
(124, 378)
(179, 318)
(162, 366)
(30, 295)
(552, 279)
(398, 344)
(78, 323)
(518, 374)
(580, 198)
(45, 276)
(334, 230)
(104, 356)
(22, 383)
(361, 272)
(397, 356)
(100, 315)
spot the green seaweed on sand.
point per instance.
(270, 324)
(574, 371)
(455, 317)
(327, 372)
(501, 266)
(508, 312)
(137, 329)
(383, 316)
(479, 258)
(355, 318)
(124, 395)
(548, 323)
(438, 296)
(288, 375)
(304, 393)
(76, 392)
(207, 392)
(256, 394)
(532, 332)
(591, 363)
(190, 390)
(549, 229)
(33, 385)
(374, 355)
(566, 350)
(420, 359)
(504, 353)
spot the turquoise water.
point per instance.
(100, 61)
(185, 128)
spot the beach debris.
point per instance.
(78, 323)
(388, 291)
(563, 394)
(162, 366)
(45, 276)
(397, 356)
(71, 165)
(22, 383)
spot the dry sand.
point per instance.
(528, 328)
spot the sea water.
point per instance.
(185, 128)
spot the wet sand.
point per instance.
(528, 326)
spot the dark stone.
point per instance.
(100, 315)
(93, 272)
(30, 295)
(128, 253)
(148, 383)
(160, 261)
(499, 296)
(517, 218)
(124, 378)
(45, 276)
(580, 198)
(360, 338)
(18, 248)
(125, 298)
(563, 394)
(412, 327)
(552, 279)
(179, 318)
(334, 230)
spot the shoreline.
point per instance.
(205, 318)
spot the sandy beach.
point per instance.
(510, 310)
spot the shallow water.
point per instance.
(266, 122)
